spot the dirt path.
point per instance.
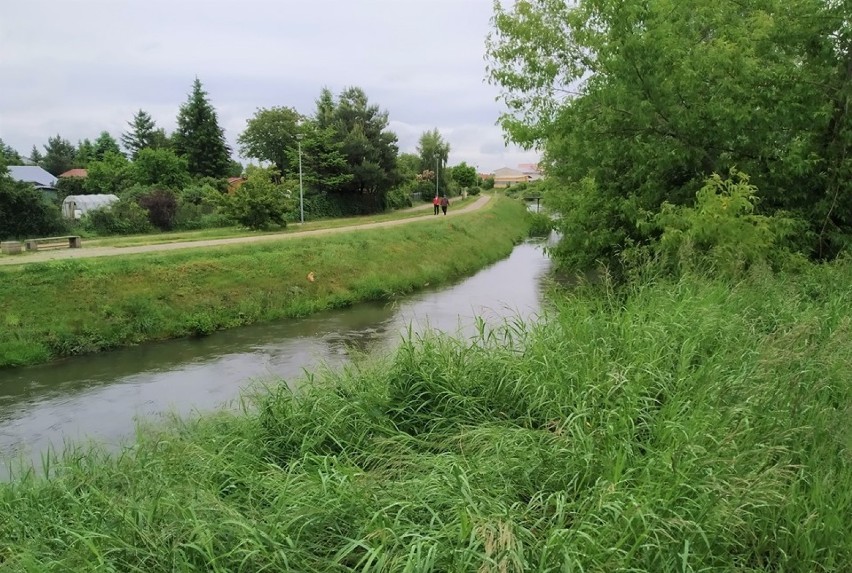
(85, 253)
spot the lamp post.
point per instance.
(301, 192)
(437, 164)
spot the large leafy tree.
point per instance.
(433, 151)
(369, 147)
(105, 144)
(85, 153)
(160, 167)
(58, 155)
(199, 138)
(324, 166)
(110, 175)
(270, 135)
(636, 102)
(143, 134)
(465, 175)
(24, 213)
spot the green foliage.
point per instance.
(71, 186)
(721, 232)
(35, 156)
(24, 213)
(125, 217)
(540, 224)
(8, 156)
(474, 191)
(160, 167)
(143, 134)
(58, 155)
(324, 167)
(105, 145)
(85, 154)
(110, 175)
(465, 175)
(408, 165)
(488, 183)
(399, 198)
(270, 135)
(161, 205)
(198, 137)
(649, 97)
(694, 425)
(259, 203)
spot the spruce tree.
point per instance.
(199, 138)
(142, 134)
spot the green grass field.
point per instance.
(695, 425)
(65, 308)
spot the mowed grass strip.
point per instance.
(695, 425)
(64, 308)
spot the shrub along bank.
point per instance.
(72, 307)
(683, 425)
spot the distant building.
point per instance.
(531, 170)
(506, 177)
(234, 183)
(37, 177)
(81, 173)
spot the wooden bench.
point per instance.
(71, 241)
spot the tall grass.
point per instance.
(65, 308)
(671, 426)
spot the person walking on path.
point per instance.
(436, 202)
(444, 204)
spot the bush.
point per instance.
(721, 232)
(474, 191)
(162, 206)
(25, 213)
(259, 203)
(125, 217)
(540, 224)
(399, 198)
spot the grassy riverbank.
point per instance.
(687, 426)
(56, 309)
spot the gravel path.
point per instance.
(84, 253)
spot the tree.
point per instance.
(324, 166)
(24, 213)
(259, 203)
(369, 147)
(408, 166)
(639, 101)
(110, 175)
(58, 155)
(433, 152)
(85, 153)
(465, 175)
(271, 136)
(36, 157)
(8, 156)
(199, 138)
(104, 144)
(143, 134)
(160, 167)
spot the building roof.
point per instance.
(507, 172)
(32, 174)
(74, 173)
(529, 167)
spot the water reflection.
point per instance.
(100, 397)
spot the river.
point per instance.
(100, 398)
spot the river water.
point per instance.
(100, 398)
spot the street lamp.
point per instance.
(301, 192)
(437, 164)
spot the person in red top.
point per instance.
(437, 203)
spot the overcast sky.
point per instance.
(78, 67)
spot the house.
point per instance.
(506, 177)
(234, 183)
(80, 173)
(531, 170)
(37, 177)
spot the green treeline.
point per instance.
(72, 307)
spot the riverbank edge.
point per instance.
(96, 305)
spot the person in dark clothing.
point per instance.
(444, 204)
(436, 202)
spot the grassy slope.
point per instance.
(681, 426)
(72, 307)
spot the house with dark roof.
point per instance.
(37, 177)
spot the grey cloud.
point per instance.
(77, 68)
